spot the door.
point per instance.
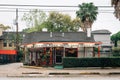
(58, 55)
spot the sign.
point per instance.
(89, 44)
(9, 52)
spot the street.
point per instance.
(16, 71)
(65, 78)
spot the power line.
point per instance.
(6, 8)
(62, 9)
(47, 10)
(59, 9)
(18, 5)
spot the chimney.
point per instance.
(62, 34)
(88, 32)
(50, 34)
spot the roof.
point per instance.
(57, 37)
(1, 37)
(104, 31)
(10, 35)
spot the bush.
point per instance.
(91, 62)
(19, 56)
(116, 51)
(116, 54)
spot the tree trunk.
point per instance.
(115, 45)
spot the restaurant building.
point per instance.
(49, 48)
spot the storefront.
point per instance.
(7, 56)
(41, 54)
(46, 48)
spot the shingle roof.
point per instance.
(103, 31)
(1, 37)
(57, 37)
(10, 35)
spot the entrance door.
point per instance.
(58, 55)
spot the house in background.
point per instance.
(7, 49)
(54, 46)
(104, 37)
(8, 46)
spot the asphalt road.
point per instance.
(65, 78)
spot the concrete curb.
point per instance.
(49, 72)
(62, 74)
(114, 73)
(33, 67)
(86, 73)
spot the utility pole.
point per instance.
(17, 40)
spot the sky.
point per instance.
(104, 20)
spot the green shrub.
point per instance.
(19, 56)
(116, 51)
(116, 54)
(91, 62)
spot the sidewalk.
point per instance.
(18, 70)
(50, 71)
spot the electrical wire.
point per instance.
(46, 5)
(49, 10)
(12, 7)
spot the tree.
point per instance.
(58, 22)
(115, 38)
(55, 22)
(4, 27)
(76, 24)
(34, 18)
(116, 4)
(87, 13)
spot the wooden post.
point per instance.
(51, 59)
(77, 52)
(93, 51)
(98, 51)
(84, 52)
(44, 63)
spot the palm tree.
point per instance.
(116, 4)
(87, 13)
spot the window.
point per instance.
(71, 52)
(10, 44)
(5, 43)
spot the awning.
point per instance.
(9, 52)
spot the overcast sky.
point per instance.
(104, 20)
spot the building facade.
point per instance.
(50, 48)
(8, 51)
(104, 37)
